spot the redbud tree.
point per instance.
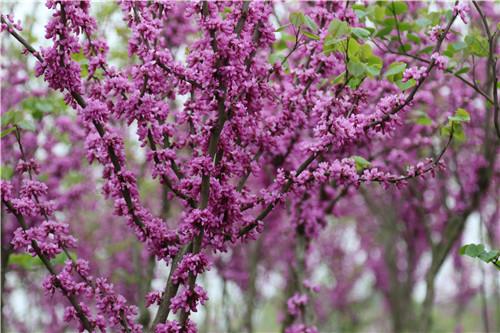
(247, 166)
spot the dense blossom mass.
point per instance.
(293, 152)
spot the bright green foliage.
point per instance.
(297, 19)
(283, 27)
(393, 70)
(338, 29)
(360, 32)
(460, 116)
(26, 261)
(477, 45)
(454, 125)
(310, 23)
(422, 118)
(406, 85)
(6, 172)
(361, 62)
(478, 251)
(398, 7)
(310, 35)
(30, 111)
(361, 163)
(7, 131)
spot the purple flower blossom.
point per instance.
(295, 304)
(416, 73)
(462, 9)
(440, 61)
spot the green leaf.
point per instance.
(297, 19)
(11, 117)
(458, 133)
(383, 32)
(283, 27)
(378, 13)
(404, 26)
(339, 78)
(280, 45)
(361, 163)
(26, 261)
(355, 68)
(328, 48)
(27, 124)
(405, 48)
(478, 251)
(463, 70)
(454, 125)
(434, 17)
(398, 7)
(389, 22)
(275, 57)
(423, 119)
(395, 68)
(360, 33)
(6, 172)
(353, 48)
(334, 45)
(39, 107)
(227, 10)
(23, 260)
(78, 56)
(472, 250)
(7, 131)
(477, 45)
(446, 130)
(414, 38)
(406, 85)
(360, 13)
(338, 29)
(460, 116)
(366, 54)
(310, 35)
(355, 82)
(310, 23)
(489, 256)
(372, 70)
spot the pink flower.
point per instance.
(153, 297)
(416, 73)
(440, 61)
(462, 9)
(296, 303)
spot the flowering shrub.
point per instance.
(232, 138)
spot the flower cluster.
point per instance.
(173, 326)
(301, 328)
(58, 68)
(188, 299)
(462, 9)
(190, 264)
(415, 73)
(440, 61)
(295, 303)
(52, 237)
(13, 23)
